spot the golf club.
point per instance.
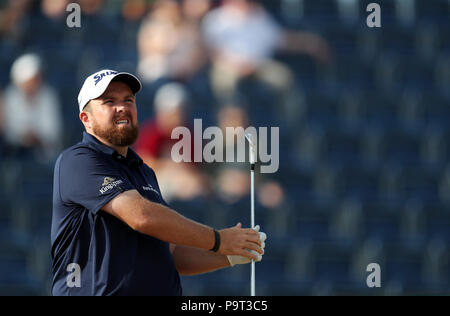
(252, 203)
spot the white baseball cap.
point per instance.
(170, 96)
(97, 83)
(25, 67)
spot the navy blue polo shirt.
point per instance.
(93, 252)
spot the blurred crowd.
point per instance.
(363, 116)
(228, 44)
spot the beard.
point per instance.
(117, 135)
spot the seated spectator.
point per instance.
(182, 180)
(3, 151)
(91, 7)
(195, 10)
(134, 10)
(32, 115)
(169, 46)
(242, 39)
(233, 179)
(54, 9)
(11, 16)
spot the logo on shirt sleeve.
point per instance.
(149, 188)
(108, 184)
(107, 181)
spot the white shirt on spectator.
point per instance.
(251, 37)
(40, 115)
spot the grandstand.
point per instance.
(365, 166)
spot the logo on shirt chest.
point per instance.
(108, 184)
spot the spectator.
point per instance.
(195, 10)
(11, 16)
(91, 7)
(52, 25)
(2, 140)
(169, 46)
(177, 180)
(233, 180)
(242, 38)
(132, 13)
(32, 118)
(54, 9)
(134, 10)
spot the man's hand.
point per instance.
(243, 260)
(240, 241)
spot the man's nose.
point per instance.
(121, 106)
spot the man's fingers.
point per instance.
(250, 231)
(254, 239)
(262, 236)
(258, 256)
(251, 255)
(255, 247)
(258, 238)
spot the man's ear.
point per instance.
(85, 119)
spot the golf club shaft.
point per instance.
(252, 218)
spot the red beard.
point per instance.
(118, 136)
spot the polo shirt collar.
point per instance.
(94, 142)
(132, 158)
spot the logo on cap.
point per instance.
(100, 76)
(90, 91)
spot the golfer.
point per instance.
(112, 232)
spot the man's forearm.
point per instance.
(168, 225)
(191, 261)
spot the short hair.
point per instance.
(88, 108)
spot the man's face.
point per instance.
(114, 115)
(32, 85)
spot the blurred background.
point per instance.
(363, 113)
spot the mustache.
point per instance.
(123, 117)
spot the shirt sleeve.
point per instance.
(88, 179)
(154, 180)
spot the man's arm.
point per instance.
(307, 43)
(165, 224)
(191, 261)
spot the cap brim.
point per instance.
(130, 80)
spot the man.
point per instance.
(112, 232)
(32, 112)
